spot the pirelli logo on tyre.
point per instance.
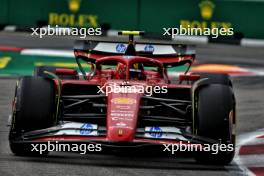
(123, 100)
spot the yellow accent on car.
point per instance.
(120, 132)
(123, 100)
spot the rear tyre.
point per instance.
(33, 109)
(217, 78)
(215, 118)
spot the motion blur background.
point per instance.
(245, 16)
(240, 56)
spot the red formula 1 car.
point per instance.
(124, 97)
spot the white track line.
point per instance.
(191, 39)
(252, 42)
(243, 140)
(48, 52)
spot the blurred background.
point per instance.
(245, 16)
(241, 56)
(17, 17)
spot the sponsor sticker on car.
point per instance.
(81, 129)
(149, 48)
(163, 133)
(120, 48)
(123, 100)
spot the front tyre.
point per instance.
(215, 119)
(33, 109)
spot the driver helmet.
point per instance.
(120, 71)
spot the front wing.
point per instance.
(73, 132)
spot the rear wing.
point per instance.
(168, 54)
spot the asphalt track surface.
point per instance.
(250, 108)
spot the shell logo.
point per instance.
(74, 5)
(207, 9)
(123, 100)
